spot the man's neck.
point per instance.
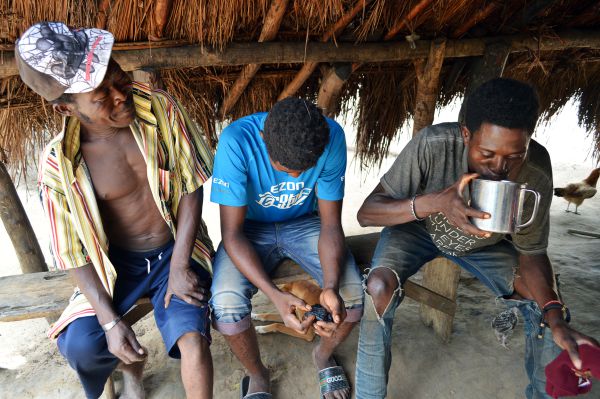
(94, 132)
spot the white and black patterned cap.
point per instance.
(53, 59)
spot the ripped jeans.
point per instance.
(405, 249)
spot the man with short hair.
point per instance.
(422, 203)
(122, 188)
(272, 172)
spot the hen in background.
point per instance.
(576, 193)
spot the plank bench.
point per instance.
(45, 294)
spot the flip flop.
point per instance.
(256, 395)
(332, 379)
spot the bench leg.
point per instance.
(440, 275)
(109, 389)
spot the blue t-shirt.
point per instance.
(243, 174)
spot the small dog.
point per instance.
(303, 289)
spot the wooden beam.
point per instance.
(309, 67)
(269, 32)
(428, 76)
(18, 227)
(294, 52)
(45, 294)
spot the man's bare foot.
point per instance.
(133, 380)
(322, 362)
(260, 382)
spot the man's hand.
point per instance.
(286, 305)
(452, 204)
(123, 344)
(568, 339)
(186, 284)
(334, 304)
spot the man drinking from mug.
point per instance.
(422, 202)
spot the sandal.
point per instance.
(244, 389)
(332, 379)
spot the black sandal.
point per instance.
(332, 379)
(244, 389)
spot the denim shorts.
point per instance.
(296, 239)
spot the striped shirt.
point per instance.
(178, 162)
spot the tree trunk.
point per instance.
(18, 227)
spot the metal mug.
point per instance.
(503, 200)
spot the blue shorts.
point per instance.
(139, 274)
(296, 239)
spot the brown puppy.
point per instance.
(307, 291)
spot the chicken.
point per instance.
(576, 193)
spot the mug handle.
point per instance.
(535, 208)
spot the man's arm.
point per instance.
(120, 338)
(537, 274)
(380, 209)
(332, 254)
(246, 259)
(183, 281)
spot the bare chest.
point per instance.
(117, 168)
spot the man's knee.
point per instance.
(381, 286)
(193, 343)
(82, 349)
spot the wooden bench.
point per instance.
(46, 294)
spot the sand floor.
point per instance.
(472, 365)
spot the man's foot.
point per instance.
(260, 382)
(322, 362)
(133, 380)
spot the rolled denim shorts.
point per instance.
(296, 239)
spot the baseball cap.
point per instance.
(53, 59)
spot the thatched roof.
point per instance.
(381, 94)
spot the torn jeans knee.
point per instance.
(370, 312)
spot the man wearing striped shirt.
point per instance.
(122, 188)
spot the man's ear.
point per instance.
(466, 134)
(64, 109)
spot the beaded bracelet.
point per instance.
(551, 305)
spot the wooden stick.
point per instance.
(403, 23)
(309, 67)
(269, 32)
(583, 233)
(474, 20)
(294, 52)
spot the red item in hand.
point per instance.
(562, 379)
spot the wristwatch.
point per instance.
(106, 327)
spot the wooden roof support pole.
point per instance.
(309, 67)
(440, 275)
(331, 86)
(490, 65)
(18, 227)
(428, 76)
(269, 32)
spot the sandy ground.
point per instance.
(472, 366)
